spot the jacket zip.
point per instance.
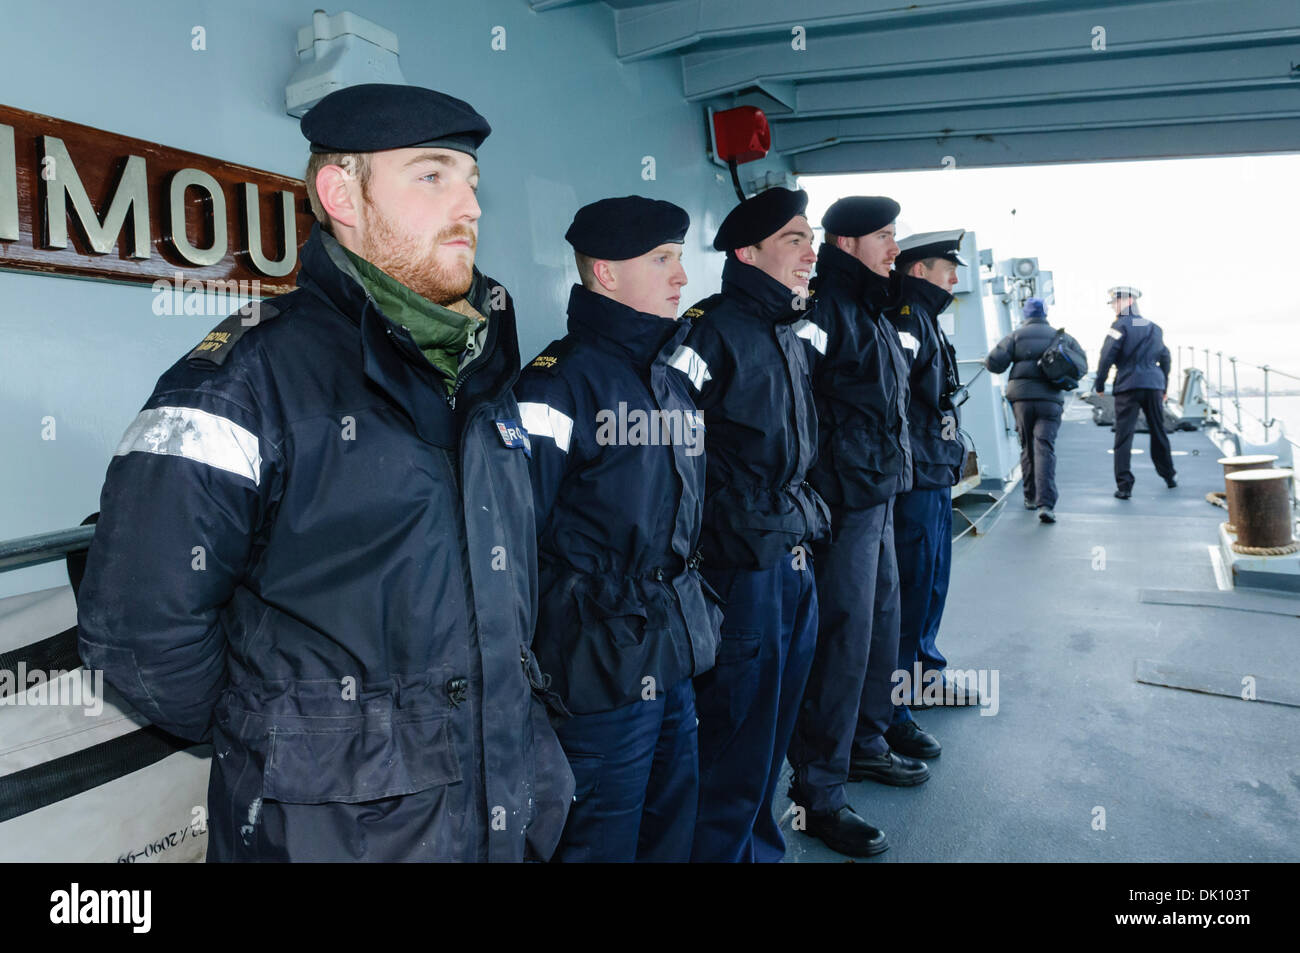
(473, 649)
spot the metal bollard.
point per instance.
(1257, 461)
(1260, 505)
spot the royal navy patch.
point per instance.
(221, 340)
(701, 308)
(551, 356)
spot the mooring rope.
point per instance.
(1220, 499)
(1286, 550)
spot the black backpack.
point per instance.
(1063, 362)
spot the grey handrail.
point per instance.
(43, 547)
(1267, 420)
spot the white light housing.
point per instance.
(337, 52)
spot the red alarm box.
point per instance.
(741, 134)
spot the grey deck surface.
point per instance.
(1181, 775)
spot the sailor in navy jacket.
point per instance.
(749, 369)
(864, 460)
(299, 556)
(1135, 347)
(618, 471)
(927, 266)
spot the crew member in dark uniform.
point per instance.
(1036, 402)
(863, 461)
(618, 473)
(1136, 347)
(316, 543)
(745, 359)
(927, 266)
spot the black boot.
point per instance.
(889, 768)
(845, 832)
(910, 740)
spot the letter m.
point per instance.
(132, 194)
(965, 681)
(117, 901)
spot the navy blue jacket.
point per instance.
(1136, 347)
(938, 452)
(618, 478)
(1020, 350)
(756, 396)
(307, 555)
(864, 452)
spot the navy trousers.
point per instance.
(1037, 423)
(1127, 404)
(923, 542)
(748, 703)
(636, 781)
(848, 691)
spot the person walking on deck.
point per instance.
(1036, 401)
(1136, 347)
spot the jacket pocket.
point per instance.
(866, 464)
(739, 645)
(863, 450)
(619, 641)
(358, 759)
(931, 446)
(713, 604)
(725, 695)
(623, 625)
(818, 513)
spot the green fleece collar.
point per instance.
(440, 333)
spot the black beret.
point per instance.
(755, 219)
(618, 229)
(373, 117)
(859, 215)
(925, 245)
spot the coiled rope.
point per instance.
(1286, 550)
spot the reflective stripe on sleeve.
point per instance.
(690, 363)
(811, 333)
(543, 420)
(197, 435)
(1116, 334)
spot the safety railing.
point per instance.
(1267, 420)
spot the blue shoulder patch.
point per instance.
(513, 435)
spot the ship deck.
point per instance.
(1181, 775)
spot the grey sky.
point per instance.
(1209, 242)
